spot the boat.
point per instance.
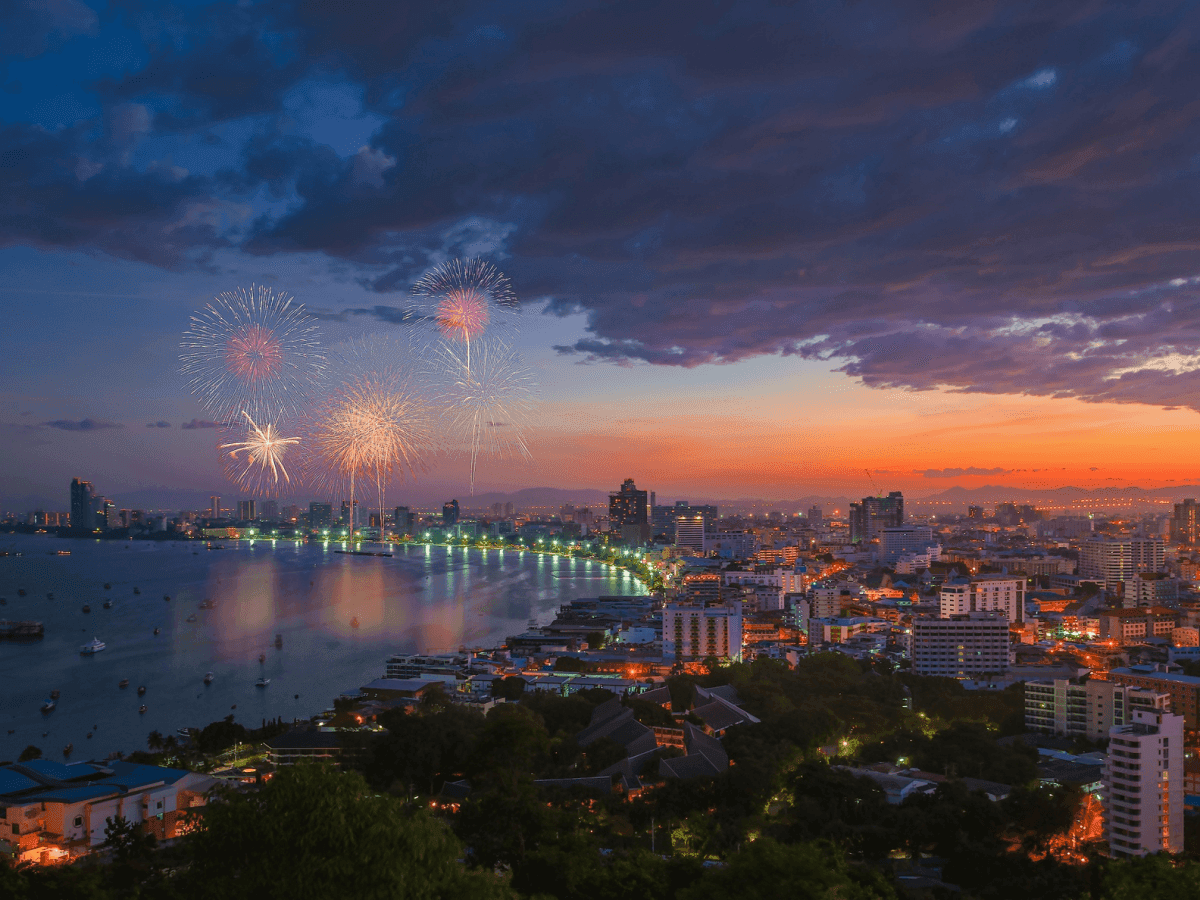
(167, 597)
(142, 710)
(354, 622)
(89, 734)
(67, 749)
(54, 694)
(191, 618)
(3, 601)
(49, 705)
(108, 604)
(141, 689)
(94, 646)
(279, 641)
(262, 657)
(49, 596)
(123, 683)
(86, 608)
(157, 630)
(208, 678)
(262, 682)
(207, 604)
(107, 586)
(20, 592)
(136, 591)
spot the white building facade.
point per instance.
(1143, 785)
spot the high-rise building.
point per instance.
(815, 515)
(689, 531)
(698, 632)
(268, 510)
(508, 510)
(1143, 785)
(320, 515)
(627, 506)
(246, 511)
(961, 647)
(894, 541)
(1086, 710)
(1111, 561)
(404, 520)
(874, 514)
(83, 495)
(984, 593)
(214, 507)
(1184, 526)
(450, 513)
(566, 512)
(974, 512)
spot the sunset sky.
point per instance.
(760, 250)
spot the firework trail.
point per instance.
(261, 471)
(468, 299)
(252, 351)
(376, 423)
(489, 403)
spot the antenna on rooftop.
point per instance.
(873, 484)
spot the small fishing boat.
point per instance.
(208, 678)
(49, 596)
(158, 631)
(136, 591)
(279, 641)
(262, 682)
(167, 597)
(123, 683)
(67, 749)
(262, 657)
(91, 648)
(142, 710)
(54, 694)
(86, 608)
(108, 604)
(89, 734)
(20, 592)
(107, 586)
(207, 604)
(49, 705)
(191, 618)
(141, 689)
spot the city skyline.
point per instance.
(966, 264)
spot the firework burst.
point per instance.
(468, 299)
(261, 470)
(252, 351)
(489, 402)
(376, 424)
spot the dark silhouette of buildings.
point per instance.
(874, 514)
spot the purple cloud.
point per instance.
(159, 424)
(200, 423)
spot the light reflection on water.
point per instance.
(425, 598)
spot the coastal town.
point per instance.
(1073, 642)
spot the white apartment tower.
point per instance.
(697, 632)
(1110, 561)
(984, 593)
(1143, 785)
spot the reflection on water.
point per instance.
(424, 598)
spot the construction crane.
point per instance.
(873, 484)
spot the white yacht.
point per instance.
(93, 646)
(262, 682)
(208, 678)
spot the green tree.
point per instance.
(30, 752)
(510, 688)
(314, 832)
(766, 870)
(154, 740)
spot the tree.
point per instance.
(132, 851)
(30, 752)
(314, 832)
(154, 740)
(510, 688)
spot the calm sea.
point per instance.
(423, 599)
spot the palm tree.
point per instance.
(154, 741)
(170, 744)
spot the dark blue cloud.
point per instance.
(82, 424)
(159, 424)
(990, 197)
(199, 423)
